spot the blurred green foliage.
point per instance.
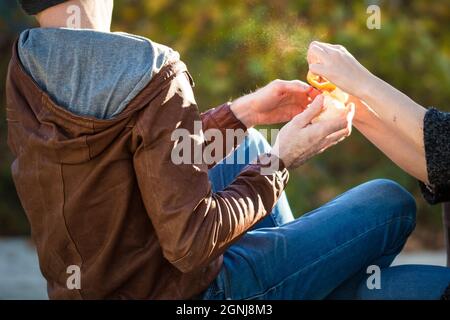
(234, 46)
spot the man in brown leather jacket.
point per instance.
(93, 120)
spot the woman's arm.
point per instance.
(389, 139)
(387, 117)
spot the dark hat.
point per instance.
(33, 7)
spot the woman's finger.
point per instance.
(326, 47)
(338, 47)
(318, 68)
(316, 54)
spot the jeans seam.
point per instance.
(271, 214)
(215, 289)
(328, 254)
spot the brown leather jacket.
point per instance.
(104, 194)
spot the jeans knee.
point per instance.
(398, 200)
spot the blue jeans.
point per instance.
(325, 253)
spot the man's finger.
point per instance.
(310, 112)
(351, 114)
(338, 136)
(333, 139)
(326, 147)
(323, 129)
(302, 88)
(297, 85)
(313, 93)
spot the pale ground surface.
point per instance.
(20, 277)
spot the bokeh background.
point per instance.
(235, 46)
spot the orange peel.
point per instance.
(319, 82)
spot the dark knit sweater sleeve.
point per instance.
(436, 132)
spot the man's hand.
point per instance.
(277, 102)
(299, 140)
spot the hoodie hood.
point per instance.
(89, 72)
(65, 137)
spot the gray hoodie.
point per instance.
(90, 73)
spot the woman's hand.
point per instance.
(299, 140)
(388, 118)
(277, 102)
(337, 65)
